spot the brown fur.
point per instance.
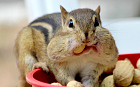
(48, 42)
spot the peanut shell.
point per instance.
(108, 82)
(134, 85)
(138, 64)
(57, 84)
(74, 84)
(123, 73)
(136, 78)
(109, 70)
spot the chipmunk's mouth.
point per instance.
(88, 48)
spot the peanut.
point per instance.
(136, 78)
(108, 82)
(134, 85)
(74, 84)
(57, 84)
(138, 64)
(79, 49)
(123, 73)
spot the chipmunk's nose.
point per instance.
(86, 35)
(86, 38)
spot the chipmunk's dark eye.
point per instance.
(71, 23)
(96, 22)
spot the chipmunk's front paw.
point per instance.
(75, 84)
(41, 65)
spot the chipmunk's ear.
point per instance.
(98, 10)
(64, 14)
(98, 13)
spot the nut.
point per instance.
(109, 70)
(136, 78)
(74, 84)
(79, 49)
(134, 85)
(57, 84)
(108, 82)
(138, 64)
(123, 73)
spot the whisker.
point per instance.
(113, 28)
(113, 22)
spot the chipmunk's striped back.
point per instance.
(48, 25)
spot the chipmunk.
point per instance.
(49, 43)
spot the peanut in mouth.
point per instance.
(79, 49)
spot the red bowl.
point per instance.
(38, 78)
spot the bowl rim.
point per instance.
(129, 54)
(37, 83)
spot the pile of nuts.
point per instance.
(124, 75)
